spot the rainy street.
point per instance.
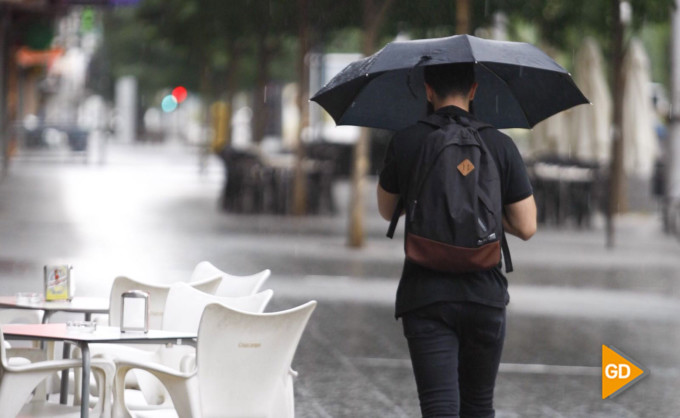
(150, 213)
(147, 144)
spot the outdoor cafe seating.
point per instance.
(567, 191)
(182, 307)
(185, 306)
(158, 294)
(20, 379)
(205, 277)
(243, 365)
(258, 182)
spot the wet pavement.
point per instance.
(150, 213)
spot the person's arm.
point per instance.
(387, 202)
(520, 218)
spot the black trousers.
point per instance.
(455, 351)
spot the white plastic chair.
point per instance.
(158, 294)
(231, 285)
(26, 349)
(21, 316)
(183, 311)
(243, 364)
(19, 377)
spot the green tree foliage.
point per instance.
(197, 42)
(563, 24)
(133, 48)
(657, 38)
(432, 18)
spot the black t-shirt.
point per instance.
(420, 286)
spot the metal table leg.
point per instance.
(46, 316)
(63, 394)
(45, 319)
(85, 386)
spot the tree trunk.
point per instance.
(462, 16)
(616, 173)
(205, 87)
(5, 22)
(359, 169)
(234, 62)
(373, 16)
(300, 182)
(259, 101)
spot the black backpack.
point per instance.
(454, 213)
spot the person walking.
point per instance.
(454, 323)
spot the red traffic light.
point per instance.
(179, 93)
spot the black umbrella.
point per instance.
(519, 85)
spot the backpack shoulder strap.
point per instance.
(507, 260)
(436, 121)
(395, 218)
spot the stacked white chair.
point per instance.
(231, 285)
(158, 294)
(243, 366)
(183, 312)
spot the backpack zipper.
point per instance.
(412, 209)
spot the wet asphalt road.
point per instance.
(149, 213)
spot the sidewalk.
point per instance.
(149, 213)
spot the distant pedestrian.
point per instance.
(455, 322)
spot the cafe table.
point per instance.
(79, 304)
(102, 334)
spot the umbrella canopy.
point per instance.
(592, 124)
(519, 85)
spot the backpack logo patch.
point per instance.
(466, 167)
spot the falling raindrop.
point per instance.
(496, 104)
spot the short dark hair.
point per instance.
(448, 79)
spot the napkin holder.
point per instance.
(134, 312)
